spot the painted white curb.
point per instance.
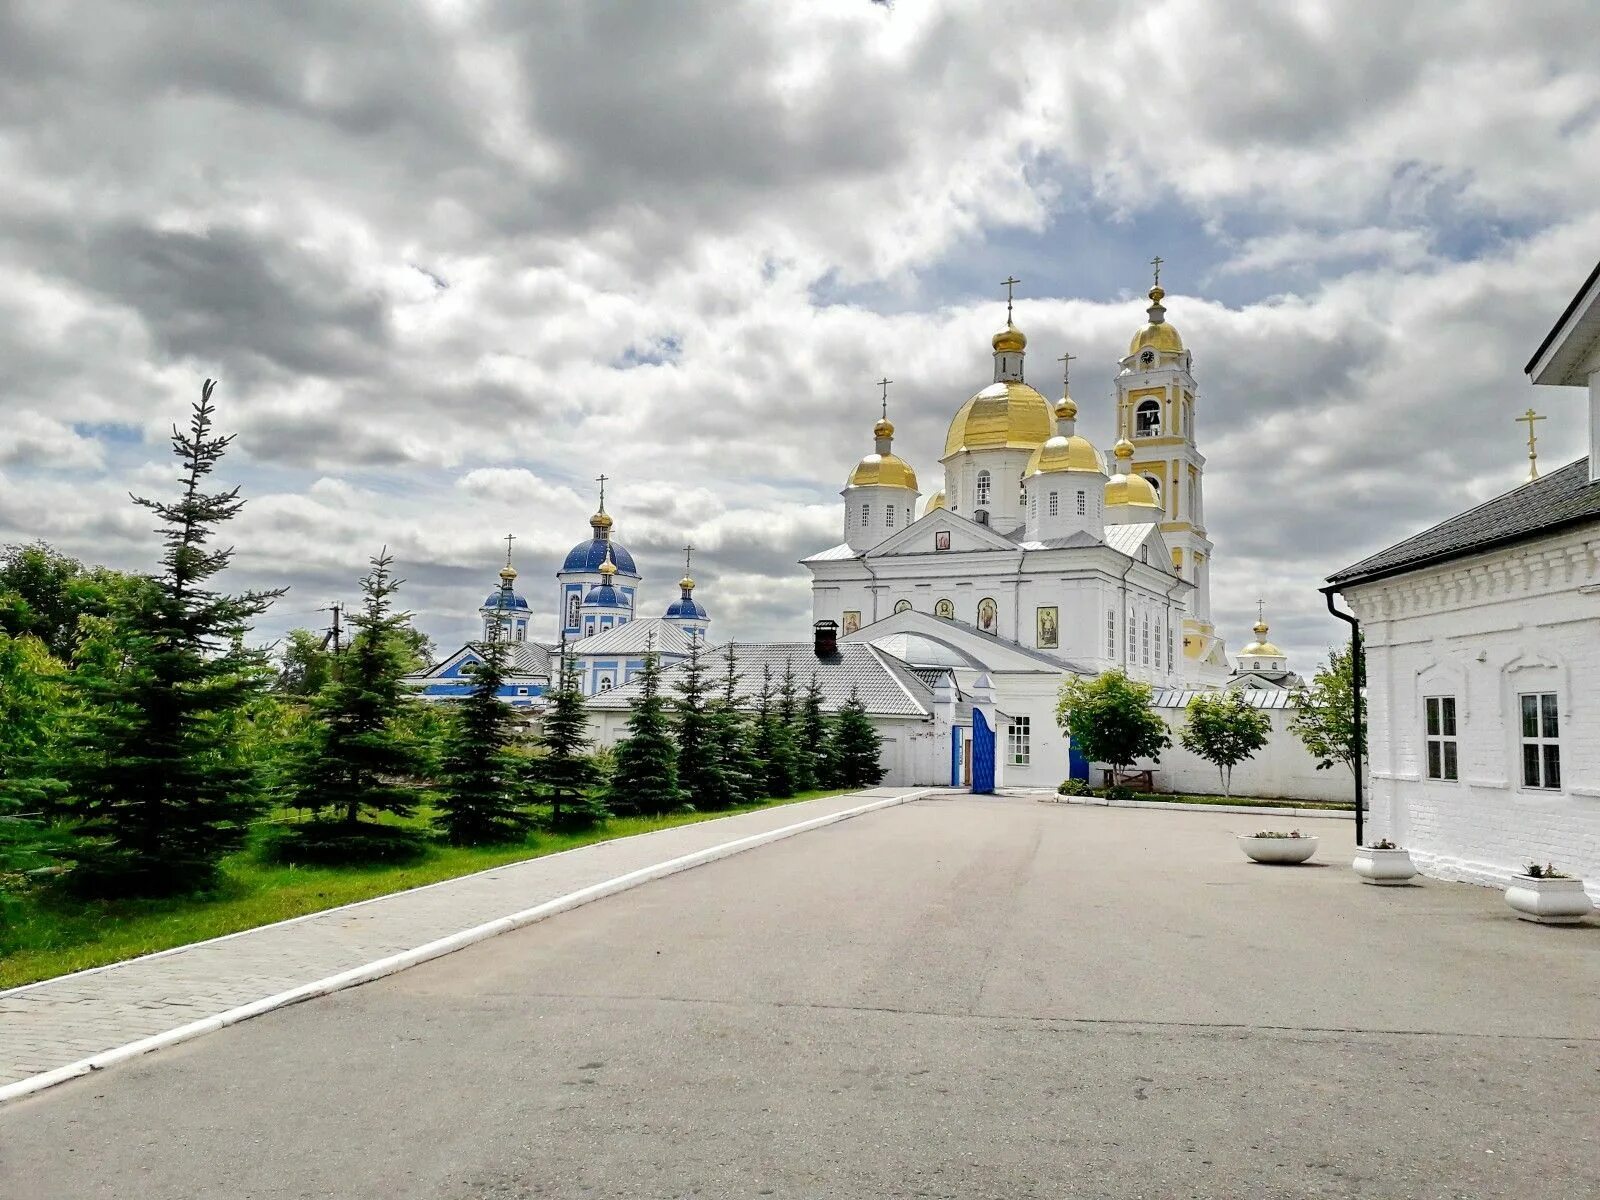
(438, 948)
(1334, 814)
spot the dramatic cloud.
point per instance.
(453, 260)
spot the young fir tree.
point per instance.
(699, 766)
(791, 711)
(563, 774)
(156, 785)
(771, 744)
(646, 777)
(730, 734)
(360, 760)
(481, 790)
(812, 736)
(856, 746)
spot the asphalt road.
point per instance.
(957, 998)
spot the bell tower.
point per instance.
(1156, 411)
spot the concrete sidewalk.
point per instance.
(48, 1027)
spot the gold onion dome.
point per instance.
(686, 584)
(601, 520)
(1066, 409)
(1261, 648)
(508, 572)
(884, 428)
(1009, 340)
(883, 470)
(1158, 334)
(1009, 414)
(1125, 487)
(608, 568)
(935, 502)
(1063, 453)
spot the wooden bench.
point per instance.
(1139, 781)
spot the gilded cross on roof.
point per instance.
(884, 384)
(1533, 443)
(1008, 283)
(510, 537)
(687, 550)
(601, 480)
(1156, 263)
(1066, 367)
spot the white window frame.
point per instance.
(984, 487)
(1546, 740)
(1055, 504)
(1019, 742)
(1441, 746)
(1145, 640)
(888, 516)
(1111, 633)
(866, 515)
(1082, 504)
(1133, 638)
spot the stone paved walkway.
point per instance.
(48, 1025)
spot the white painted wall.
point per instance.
(1280, 769)
(1485, 630)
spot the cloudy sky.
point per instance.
(452, 259)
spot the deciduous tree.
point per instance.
(1224, 729)
(1111, 719)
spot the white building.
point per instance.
(1482, 641)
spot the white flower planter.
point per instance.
(1548, 901)
(1385, 867)
(1278, 850)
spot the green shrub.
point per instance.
(1075, 787)
(342, 843)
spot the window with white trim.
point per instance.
(1145, 639)
(1439, 718)
(866, 514)
(1111, 633)
(1541, 741)
(1169, 647)
(1158, 643)
(1019, 741)
(1081, 504)
(888, 516)
(1055, 504)
(1133, 638)
(983, 488)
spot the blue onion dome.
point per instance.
(603, 595)
(686, 607)
(506, 595)
(588, 555)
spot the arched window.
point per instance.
(1147, 418)
(983, 488)
(1155, 485)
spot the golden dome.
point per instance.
(608, 568)
(935, 501)
(1066, 409)
(1066, 454)
(1261, 648)
(1008, 414)
(1125, 487)
(686, 584)
(884, 428)
(508, 572)
(1009, 340)
(883, 470)
(1158, 334)
(601, 520)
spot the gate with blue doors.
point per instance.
(982, 754)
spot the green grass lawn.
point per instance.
(1246, 801)
(41, 937)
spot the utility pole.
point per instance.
(334, 633)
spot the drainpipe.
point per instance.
(872, 587)
(1016, 604)
(1358, 678)
(1122, 615)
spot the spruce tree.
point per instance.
(771, 743)
(360, 760)
(730, 732)
(481, 794)
(856, 745)
(563, 774)
(156, 783)
(646, 778)
(814, 742)
(699, 766)
(791, 711)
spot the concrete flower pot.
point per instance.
(1384, 867)
(1548, 901)
(1277, 850)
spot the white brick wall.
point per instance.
(1485, 630)
(1280, 769)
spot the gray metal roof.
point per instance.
(885, 685)
(1561, 322)
(1254, 697)
(1554, 501)
(635, 637)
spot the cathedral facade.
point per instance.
(1034, 538)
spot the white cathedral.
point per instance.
(1034, 540)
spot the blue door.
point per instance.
(982, 754)
(1077, 764)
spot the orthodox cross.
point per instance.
(510, 537)
(1156, 263)
(1261, 611)
(601, 480)
(687, 550)
(1533, 443)
(1066, 368)
(1008, 283)
(884, 384)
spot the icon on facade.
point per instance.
(1049, 636)
(852, 620)
(987, 614)
(941, 539)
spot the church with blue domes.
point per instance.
(596, 620)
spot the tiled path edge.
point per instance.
(59, 1029)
